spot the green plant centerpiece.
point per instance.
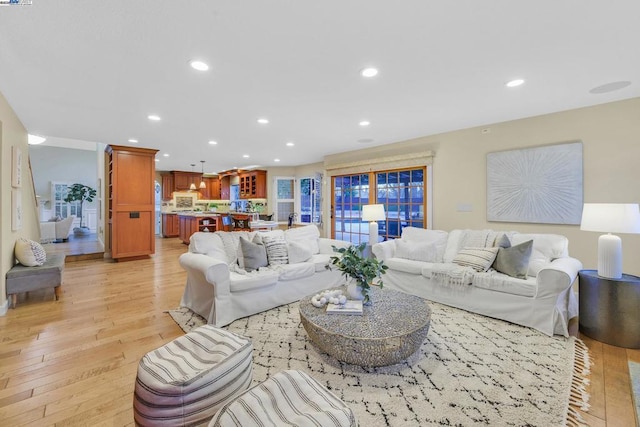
(364, 271)
(82, 193)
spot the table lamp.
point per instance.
(610, 218)
(373, 213)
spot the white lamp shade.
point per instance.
(611, 217)
(373, 213)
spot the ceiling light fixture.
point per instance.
(202, 184)
(276, 160)
(153, 117)
(157, 160)
(193, 184)
(364, 123)
(515, 83)
(35, 139)
(290, 144)
(246, 156)
(263, 121)
(199, 65)
(133, 141)
(213, 142)
(166, 154)
(369, 72)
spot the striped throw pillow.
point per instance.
(276, 247)
(480, 259)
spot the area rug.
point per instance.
(634, 372)
(471, 370)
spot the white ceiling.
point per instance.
(93, 70)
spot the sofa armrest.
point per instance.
(326, 245)
(384, 250)
(215, 272)
(557, 276)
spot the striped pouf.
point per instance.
(286, 398)
(188, 379)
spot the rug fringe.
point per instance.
(578, 396)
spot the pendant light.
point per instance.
(202, 184)
(193, 184)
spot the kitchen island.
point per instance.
(191, 222)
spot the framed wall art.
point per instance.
(16, 210)
(536, 185)
(16, 167)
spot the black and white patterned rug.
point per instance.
(471, 370)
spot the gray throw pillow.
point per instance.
(514, 261)
(254, 255)
(503, 242)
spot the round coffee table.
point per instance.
(390, 329)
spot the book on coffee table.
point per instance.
(350, 307)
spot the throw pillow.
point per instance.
(514, 261)
(299, 251)
(253, 254)
(30, 253)
(480, 259)
(417, 251)
(503, 242)
(276, 249)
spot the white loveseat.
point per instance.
(422, 263)
(219, 289)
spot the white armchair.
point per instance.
(63, 228)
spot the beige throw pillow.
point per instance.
(480, 259)
(30, 253)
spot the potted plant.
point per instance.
(82, 193)
(362, 271)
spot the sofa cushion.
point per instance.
(546, 248)
(254, 280)
(454, 241)
(30, 253)
(320, 261)
(408, 265)
(276, 249)
(499, 282)
(514, 261)
(299, 251)
(437, 237)
(202, 243)
(309, 234)
(416, 250)
(502, 241)
(480, 259)
(295, 271)
(254, 255)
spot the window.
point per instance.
(61, 208)
(310, 199)
(284, 198)
(402, 192)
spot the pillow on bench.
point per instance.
(30, 253)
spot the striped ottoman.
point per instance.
(188, 379)
(286, 398)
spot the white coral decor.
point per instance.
(329, 296)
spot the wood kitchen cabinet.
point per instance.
(212, 190)
(170, 226)
(225, 188)
(182, 180)
(167, 186)
(188, 224)
(253, 184)
(130, 201)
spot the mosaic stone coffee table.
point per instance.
(389, 330)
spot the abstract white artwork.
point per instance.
(537, 185)
(16, 210)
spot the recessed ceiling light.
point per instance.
(166, 155)
(276, 160)
(290, 144)
(157, 160)
(514, 83)
(263, 121)
(133, 141)
(364, 123)
(153, 117)
(610, 87)
(199, 65)
(246, 156)
(35, 139)
(369, 72)
(213, 142)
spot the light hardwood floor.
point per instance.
(74, 361)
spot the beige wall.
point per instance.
(13, 133)
(610, 134)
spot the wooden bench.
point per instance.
(24, 279)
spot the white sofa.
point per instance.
(220, 290)
(422, 263)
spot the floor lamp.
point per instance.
(610, 218)
(373, 213)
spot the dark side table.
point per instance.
(610, 308)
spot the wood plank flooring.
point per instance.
(73, 362)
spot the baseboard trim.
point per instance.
(4, 308)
